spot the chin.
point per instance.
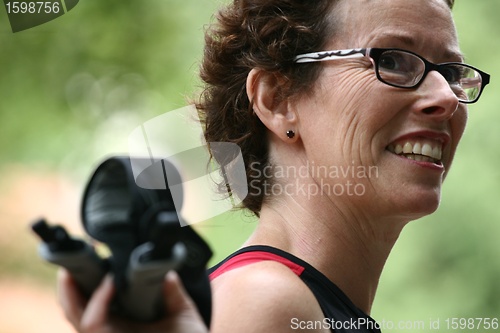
(421, 204)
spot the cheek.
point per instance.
(345, 113)
(351, 88)
(458, 124)
(365, 109)
(350, 96)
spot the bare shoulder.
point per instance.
(262, 297)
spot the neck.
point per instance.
(349, 250)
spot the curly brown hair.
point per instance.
(264, 34)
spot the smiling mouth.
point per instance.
(420, 150)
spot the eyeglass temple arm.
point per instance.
(331, 55)
(467, 83)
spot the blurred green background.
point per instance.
(72, 90)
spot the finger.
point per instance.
(182, 315)
(176, 296)
(96, 313)
(70, 297)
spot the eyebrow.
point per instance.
(410, 42)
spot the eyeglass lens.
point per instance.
(403, 69)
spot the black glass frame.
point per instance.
(376, 53)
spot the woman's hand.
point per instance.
(92, 316)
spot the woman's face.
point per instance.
(351, 122)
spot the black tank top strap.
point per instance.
(341, 315)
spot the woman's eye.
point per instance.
(396, 61)
(389, 61)
(451, 74)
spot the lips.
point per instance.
(419, 149)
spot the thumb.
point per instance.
(177, 299)
(181, 312)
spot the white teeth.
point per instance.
(417, 148)
(407, 148)
(437, 153)
(427, 150)
(424, 150)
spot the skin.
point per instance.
(349, 118)
(91, 316)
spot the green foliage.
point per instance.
(66, 82)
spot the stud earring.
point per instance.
(290, 134)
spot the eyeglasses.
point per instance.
(405, 69)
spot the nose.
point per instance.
(437, 98)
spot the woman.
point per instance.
(342, 148)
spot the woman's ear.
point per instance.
(264, 92)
